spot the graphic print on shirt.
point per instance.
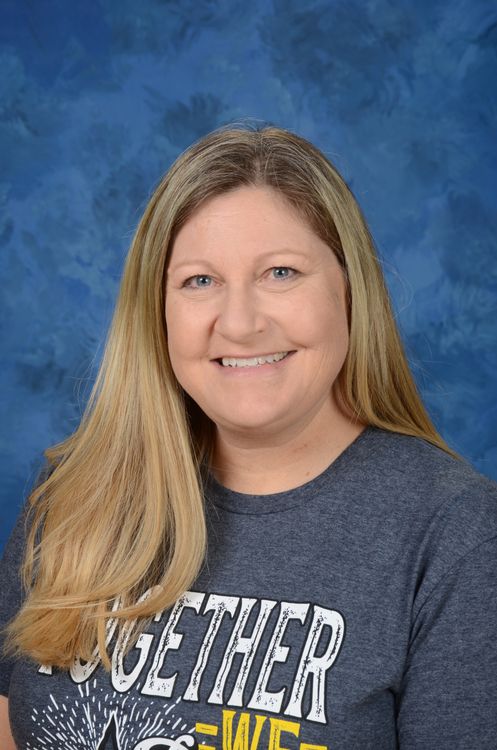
(231, 655)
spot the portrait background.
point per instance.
(99, 97)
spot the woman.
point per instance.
(256, 537)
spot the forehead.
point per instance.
(255, 219)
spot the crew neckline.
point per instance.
(250, 504)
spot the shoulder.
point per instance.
(420, 470)
(441, 507)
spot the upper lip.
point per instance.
(252, 356)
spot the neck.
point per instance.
(265, 463)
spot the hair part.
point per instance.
(117, 528)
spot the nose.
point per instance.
(240, 316)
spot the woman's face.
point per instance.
(248, 278)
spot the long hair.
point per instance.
(119, 515)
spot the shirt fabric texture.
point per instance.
(357, 611)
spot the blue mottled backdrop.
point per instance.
(98, 97)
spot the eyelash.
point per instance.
(204, 275)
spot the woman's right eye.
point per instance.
(188, 285)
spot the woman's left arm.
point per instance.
(448, 696)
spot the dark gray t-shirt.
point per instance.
(355, 612)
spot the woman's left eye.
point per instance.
(293, 271)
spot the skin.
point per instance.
(278, 430)
(230, 292)
(6, 739)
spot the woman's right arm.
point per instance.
(11, 600)
(6, 739)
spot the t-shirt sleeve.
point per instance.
(11, 591)
(448, 696)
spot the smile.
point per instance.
(264, 363)
(252, 361)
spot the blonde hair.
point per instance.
(120, 510)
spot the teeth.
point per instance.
(231, 362)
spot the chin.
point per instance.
(251, 422)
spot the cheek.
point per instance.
(338, 338)
(177, 342)
(182, 330)
(180, 357)
(323, 323)
(186, 341)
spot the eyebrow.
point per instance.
(206, 262)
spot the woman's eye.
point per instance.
(202, 281)
(194, 278)
(293, 272)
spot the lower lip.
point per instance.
(268, 367)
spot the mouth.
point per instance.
(250, 364)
